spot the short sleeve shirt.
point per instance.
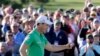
(36, 43)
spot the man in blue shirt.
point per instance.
(18, 38)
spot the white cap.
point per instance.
(43, 19)
(96, 21)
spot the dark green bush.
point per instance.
(24, 1)
(6, 2)
(42, 1)
(16, 5)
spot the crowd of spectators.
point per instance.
(80, 28)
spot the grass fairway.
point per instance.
(66, 4)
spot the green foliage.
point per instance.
(6, 2)
(10, 2)
(16, 5)
(24, 1)
(42, 1)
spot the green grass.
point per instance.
(65, 4)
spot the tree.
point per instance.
(6, 2)
(42, 1)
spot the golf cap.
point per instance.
(57, 22)
(43, 19)
(96, 21)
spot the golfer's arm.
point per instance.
(23, 49)
(54, 48)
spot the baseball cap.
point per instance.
(96, 21)
(90, 5)
(91, 18)
(89, 36)
(57, 22)
(43, 19)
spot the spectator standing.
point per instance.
(18, 37)
(57, 37)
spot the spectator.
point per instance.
(35, 15)
(93, 9)
(1, 33)
(8, 10)
(82, 34)
(10, 41)
(73, 25)
(57, 37)
(50, 16)
(90, 48)
(30, 9)
(98, 12)
(85, 50)
(6, 24)
(96, 38)
(3, 49)
(86, 13)
(28, 25)
(77, 16)
(96, 25)
(88, 2)
(18, 37)
(65, 25)
(25, 13)
(1, 10)
(93, 14)
(17, 15)
(57, 16)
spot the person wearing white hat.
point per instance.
(88, 2)
(98, 12)
(35, 42)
